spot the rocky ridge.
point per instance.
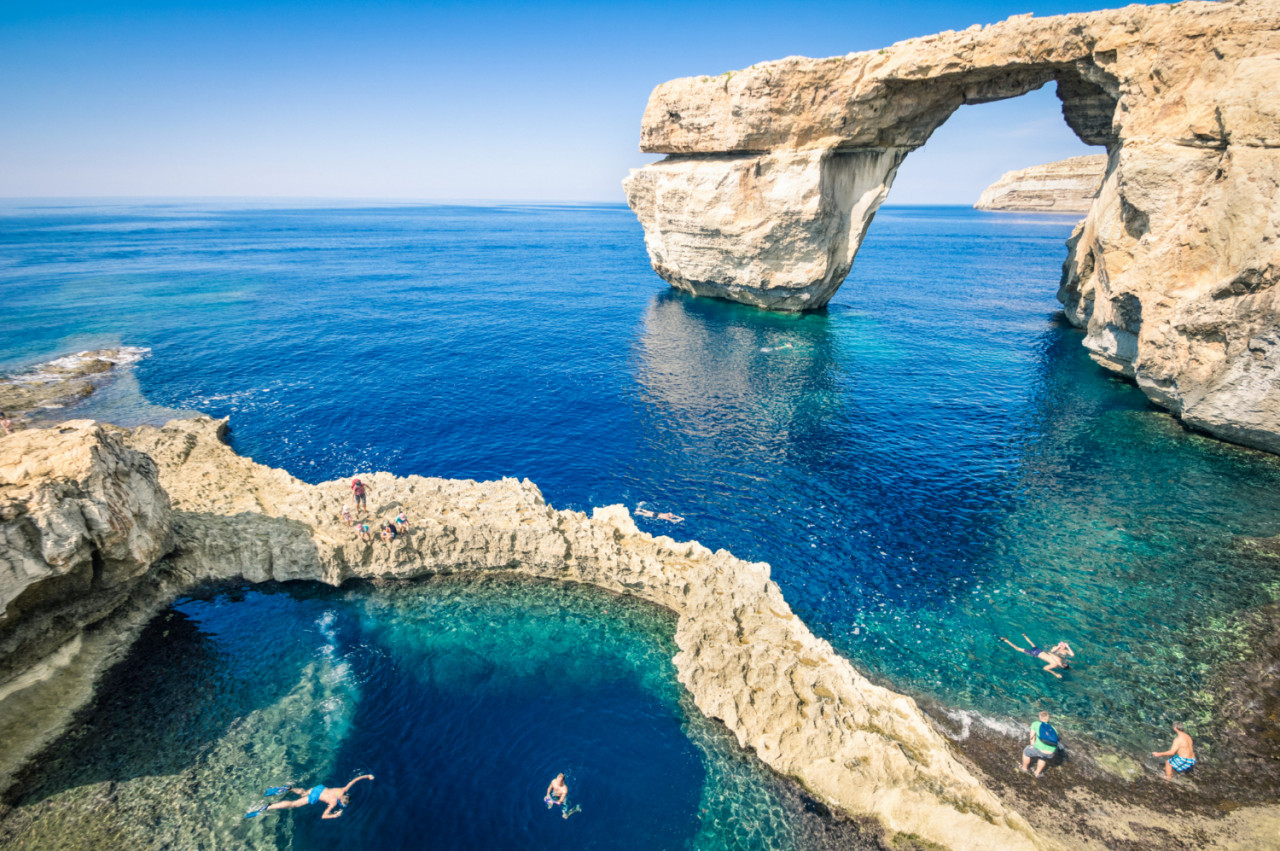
(1065, 186)
(773, 174)
(103, 505)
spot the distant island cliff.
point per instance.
(1065, 186)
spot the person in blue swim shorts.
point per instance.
(335, 798)
(1182, 753)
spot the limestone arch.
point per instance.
(773, 174)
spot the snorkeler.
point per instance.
(1052, 657)
(335, 798)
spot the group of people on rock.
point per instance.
(390, 529)
(1043, 747)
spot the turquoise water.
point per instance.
(929, 464)
(462, 698)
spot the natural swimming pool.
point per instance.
(463, 697)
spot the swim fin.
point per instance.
(276, 790)
(258, 810)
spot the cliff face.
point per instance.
(1066, 186)
(123, 499)
(774, 173)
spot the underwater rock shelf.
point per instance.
(103, 526)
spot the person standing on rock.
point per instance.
(358, 491)
(6, 423)
(1182, 753)
(1044, 744)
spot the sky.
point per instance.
(421, 101)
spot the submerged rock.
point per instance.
(61, 381)
(774, 173)
(1065, 186)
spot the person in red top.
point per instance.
(357, 489)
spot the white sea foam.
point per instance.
(59, 368)
(965, 719)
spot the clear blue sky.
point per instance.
(431, 101)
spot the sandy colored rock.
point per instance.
(77, 509)
(1065, 186)
(774, 173)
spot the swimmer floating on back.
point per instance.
(641, 511)
(1053, 657)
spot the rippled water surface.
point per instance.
(930, 464)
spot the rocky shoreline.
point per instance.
(102, 527)
(62, 381)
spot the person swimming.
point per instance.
(1052, 657)
(558, 795)
(335, 798)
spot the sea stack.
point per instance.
(773, 174)
(1065, 186)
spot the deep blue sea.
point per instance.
(931, 463)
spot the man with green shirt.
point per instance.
(1044, 744)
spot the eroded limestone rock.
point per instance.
(1065, 186)
(83, 520)
(744, 656)
(1173, 272)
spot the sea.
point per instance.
(929, 465)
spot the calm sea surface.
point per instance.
(931, 463)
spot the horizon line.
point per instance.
(357, 199)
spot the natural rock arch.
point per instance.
(774, 173)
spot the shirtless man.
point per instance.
(5, 423)
(1053, 657)
(1182, 754)
(334, 798)
(557, 792)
